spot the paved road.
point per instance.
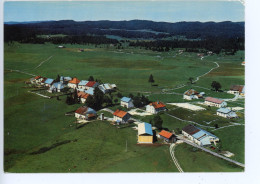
(172, 146)
(211, 152)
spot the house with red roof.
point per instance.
(210, 101)
(73, 83)
(167, 136)
(37, 79)
(155, 107)
(91, 84)
(121, 116)
(85, 113)
(83, 96)
(192, 94)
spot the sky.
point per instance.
(166, 11)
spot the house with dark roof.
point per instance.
(237, 89)
(199, 136)
(210, 101)
(155, 107)
(167, 136)
(121, 116)
(226, 113)
(85, 113)
(126, 102)
(145, 133)
(192, 94)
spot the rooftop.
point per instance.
(145, 128)
(214, 100)
(126, 99)
(119, 113)
(166, 134)
(157, 105)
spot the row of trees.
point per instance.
(216, 45)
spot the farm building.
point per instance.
(83, 96)
(65, 80)
(167, 136)
(105, 88)
(215, 102)
(56, 87)
(155, 107)
(82, 84)
(37, 79)
(73, 83)
(127, 102)
(43, 81)
(145, 133)
(243, 63)
(237, 89)
(90, 91)
(86, 113)
(192, 94)
(48, 82)
(121, 116)
(226, 113)
(91, 84)
(199, 136)
(61, 46)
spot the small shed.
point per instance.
(167, 136)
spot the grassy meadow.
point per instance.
(33, 123)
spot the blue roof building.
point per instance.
(83, 82)
(49, 81)
(126, 99)
(90, 91)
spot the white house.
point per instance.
(85, 113)
(155, 107)
(121, 116)
(127, 102)
(56, 87)
(192, 94)
(237, 89)
(215, 102)
(82, 84)
(73, 83)
(199, 136)
(226, 113)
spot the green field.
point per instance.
(193, 160)
(32, 122)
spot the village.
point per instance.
(124, 115)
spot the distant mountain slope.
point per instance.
(135, 28)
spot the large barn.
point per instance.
(145, 133)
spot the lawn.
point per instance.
(32, 122)
(194, 160)
(90, 151)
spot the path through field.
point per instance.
(172, 146)
(164, 91)
(43, 62)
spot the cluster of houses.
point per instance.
(84, 88)
(223, 111)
